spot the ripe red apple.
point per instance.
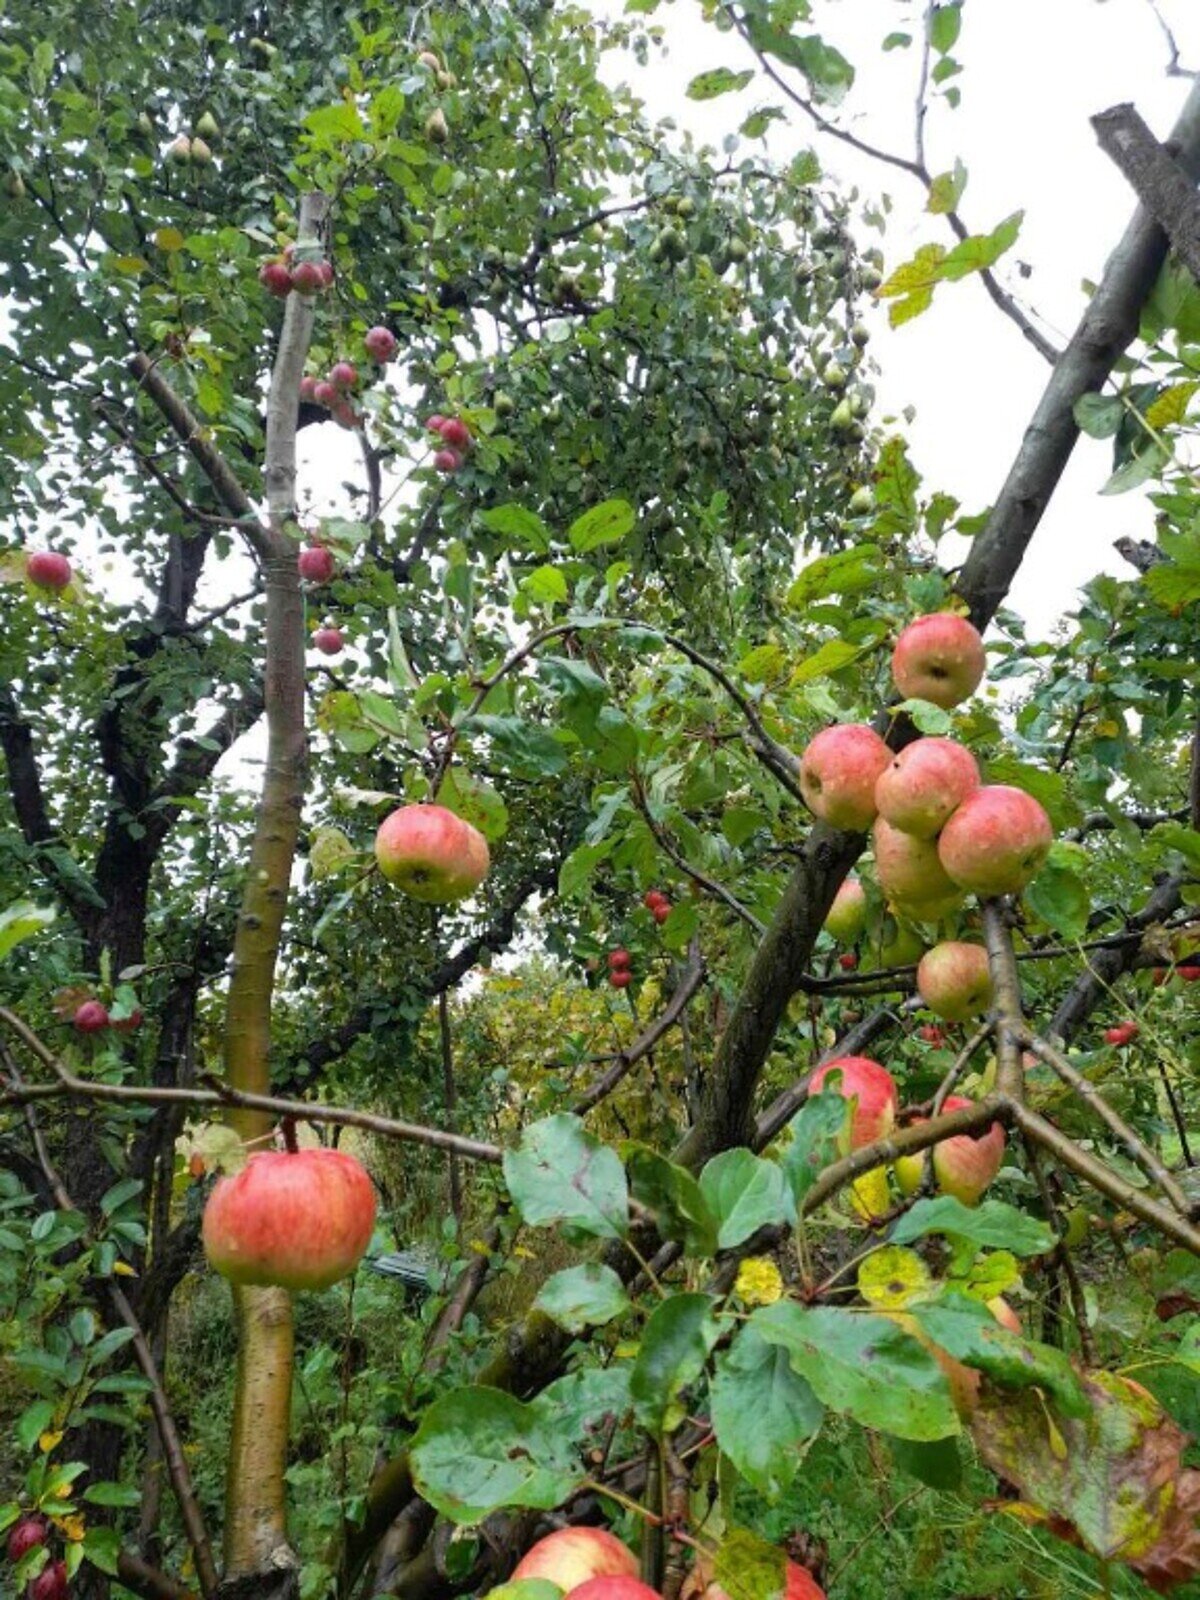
(1188, 973)
(51, 1583)
(1124, 1033)
(276, 278)
(456, 433)
(316, 563)
(613, 1589)
(954, 980)
(380, 343)
(572, 1556)
(919, 790)
(434, 421)
(26, 1535)
(848, 961)
(328, 641)
(661, 911)
(618, 957)
(308, 387)
(652, 898)
(298, 1219)
(47, 569)
(938, 658)
(838, 773)
(324, 393)
(871, 1086)
(996, 841)
(620, 977)
(307, 277)
(325, 268)
(343, 375)
(447, 460)
(431, 854)
(800, 1585)
(911, 874)
(345, 415)
(91, 1017)
(847, 916)
(965, 1165)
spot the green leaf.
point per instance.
(560, 1174)
(113, 1494)
(33, 1422)
(524, 528)
(966, 1330)
(21, 921)
(337, 124)
(721, 80)
(816, 1130)
(832, 656)
(863, 1366)
(478, 1450)
(676, 1344)
(764, 662)
(992, 1225)
(748, 1568)
(842, 572)
(1059, 896)
(1099, 415)
(546, 586)
(607, 523)
(926, 717)
(945, 23)
(745, 1192)
(526, 1589)
(1048, 788)
(763, 1413)
(526, 748)
(116, 1197)
(102, 1547)
(828, 72)
(946, 190)
(575, 874)
(1138, 469)
(1173, 586)
(582, 1297)
(935, 1462)
(982, 250)
(674, 1197)
(475, 802)
(577, 1405)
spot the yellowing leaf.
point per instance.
(893, 1277)
(50, 1440)
(122, 1269)
(1171, 405)
(759, 1281)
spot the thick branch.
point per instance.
(1164, 189)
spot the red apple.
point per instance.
(26, 1535)
(618, 957)
(276, 278)
(919, 790)
(966, 1165)
(938, 658)
(871, 1086)
(954, 980)
(308, 387)
(911, 874)
(328, 641)
(316, 563)
(620, 977)
(307, 277)
(847, 916)
(90, 1017)
(996, 841)
(1188, 973)
(298, 1219)
(324, 393)
(652, 898)
(838, 773)
(930, 1033)
(456, 433)
(613, 1589)
(1124, 1033)
(848, 961)
(325, 268)
(447, 460)
(50, 1583)
(431, 854)
(380, 343)
(434, 421)
(345, 415)
(661, 911)
(343, 375)
(800, 1585)
(572, 1556)
(47, 569)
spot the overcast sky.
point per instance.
(1034, 72)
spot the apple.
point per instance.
(954, 980)
(307, 277)
(930, 1033)
(343, 375)
(911, 874)
(848, 961)
(799, 1585)
(938, 658)
(847, 916)
(1188, 973)
(50, 1583)
(652, 898)
(316, 563)
(571, 1556)
(324, 393)
(920, 789)
(996, 841)
(47, 569)
(431, 854)
(897, 944)
(620, 1588)
(447, 460)
(308, 387)
(618, 957)
(345, 415)
(179, 151)
(276, 278)
(380, 343)
(456, 433)
(838, 773)
(620, 977)
(871, 1086)
(965, 1165)
(90, 1017)
(434, 421)
(661, 911)
(1124, 1033)
(26, 1535)
(299, 1219)
(328, 641)
(129, 1024)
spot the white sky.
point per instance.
(1034, 72)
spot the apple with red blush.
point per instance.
(431, 854)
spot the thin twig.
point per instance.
(694, 975)
(1062, 1255)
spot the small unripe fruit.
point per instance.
(343, 375)
(860, 334)
(930, 1033)
(620, 977)
(456, 433)
(208, 126)
(833, 375)
(428, 59)
(380, 343)
(90, 1017)
(276, 278)
(324, 393)
(861, 503)
(47, 569)
(503, 404)
(436, 127)
(345, 415)
(447, 460)
(14, 186)
(847, 915)
(328, 641)
(316, 563)
(26, 1535)
(307, 277)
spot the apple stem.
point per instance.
(287, 1126)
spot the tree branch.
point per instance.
(1165, 190)
(693, 977)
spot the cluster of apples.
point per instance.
(310, 275)
(657, 904)
(317, 565)
(31, 1533)
(335, 389)
(619, 973)
(592, 1564)
(456, 441)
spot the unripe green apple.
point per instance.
(848, 914)
(955, 981)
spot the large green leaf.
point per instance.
(583, 1296)
(478, 1450)
(560, 1174)
(815, 1130)
(764, 1414)
(607, 523)
(675, 1346)
(675, 1198)
(992, 1225)
(745, 1192)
